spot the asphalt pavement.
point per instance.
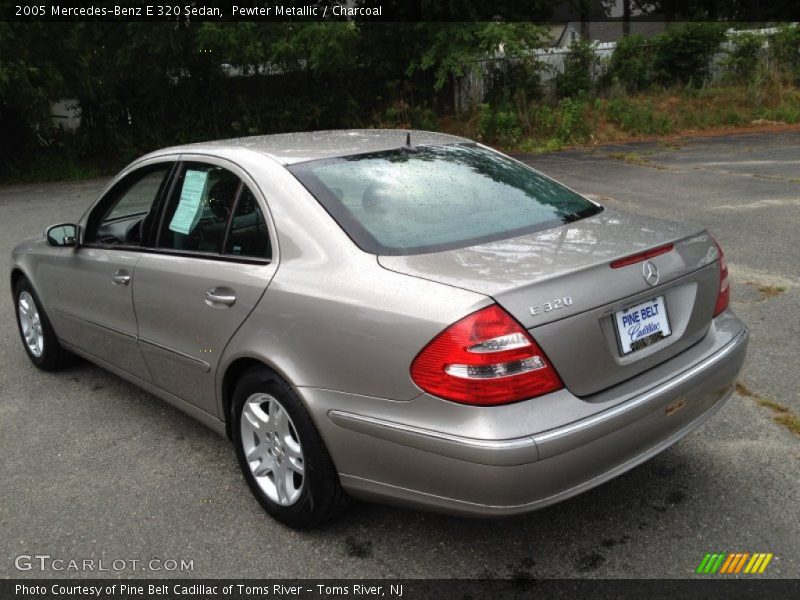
(94, 468)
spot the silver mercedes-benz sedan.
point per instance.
(407, 317)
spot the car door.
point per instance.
(95, 280)
(210, 264)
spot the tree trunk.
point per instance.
(584, 16)
(626, 17)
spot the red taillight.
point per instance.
(485, 358)
(724, 292)
(629, 260)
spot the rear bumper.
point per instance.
(404, 462)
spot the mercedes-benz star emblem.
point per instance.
(650, 273)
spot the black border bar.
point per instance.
(400, 589)
(544, 11)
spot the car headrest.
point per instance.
(378, 198)
(221, 196)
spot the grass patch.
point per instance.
(745, 391)
(671, 146)
(783, 415)
(767, 291)
(546, 125)
(770, 291)
(773, 405)
(634, 158)
(791, 422)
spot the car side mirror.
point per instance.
(65, 234)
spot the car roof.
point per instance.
(291, 148)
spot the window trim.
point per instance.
(229, 224)
(235, 258)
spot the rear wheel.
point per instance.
(281, 453)
(38, 338)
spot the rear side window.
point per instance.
(410, 201)
(197, 212)
(211, 210)
(248, 234)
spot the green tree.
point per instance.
(453, 49)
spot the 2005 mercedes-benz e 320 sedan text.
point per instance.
(411, 318)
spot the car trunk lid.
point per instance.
(559, 284)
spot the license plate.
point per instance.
(641, 325)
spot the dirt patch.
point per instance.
(611, 542)
(589, 561)
(357, 548)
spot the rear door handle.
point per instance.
(121, 277)
(220, 296)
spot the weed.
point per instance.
(770, 291)
(744, 391)
(633, 158)
(773, 405)
(783, 416)
(767, 291)
(638, 116)
(791, 422)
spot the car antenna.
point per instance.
(408, 147)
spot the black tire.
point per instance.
(322, 496)
(53, 356)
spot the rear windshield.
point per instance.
(428, 199)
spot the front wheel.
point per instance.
(281, 453)
(38, 337)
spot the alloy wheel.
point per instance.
(31, 324)
(272, 449)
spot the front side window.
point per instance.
(126, 213)
(427, 199)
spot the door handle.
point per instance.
(220, 296)
(121, 277)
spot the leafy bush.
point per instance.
(578, 75)
(786, 113)
(743, 61)
(631, 64)
(572, 124)
(513, 81)
(401, 115)
(785, 51)
(637, 117)
(682, 53)
(501, 126)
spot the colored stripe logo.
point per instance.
(733, 563)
